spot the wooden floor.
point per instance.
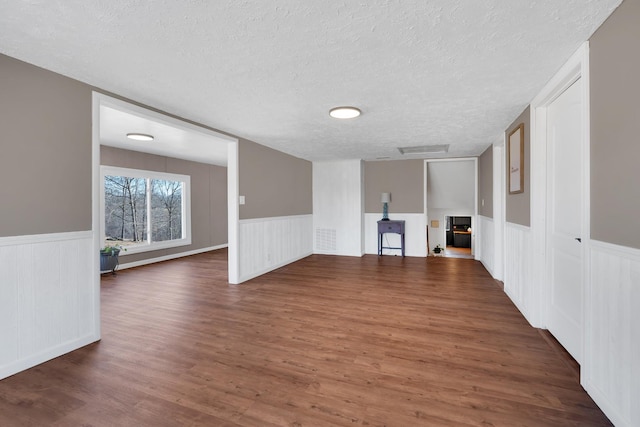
(345, 341)
(454, 252)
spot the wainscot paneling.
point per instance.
(49, 298)
(338, 206)
(415, 235)
(485, 242)
(517, 266)
(270, 243)
(611, 372)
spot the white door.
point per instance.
(564, 218)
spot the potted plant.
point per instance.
(109, 258)
(438, 249)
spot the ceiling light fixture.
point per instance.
(424, 149)
(140, 136)
(344, 112)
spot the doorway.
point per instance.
(451, 192)
(564, 219)
(560, 203)
(458, 237)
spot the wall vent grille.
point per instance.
(326, 239)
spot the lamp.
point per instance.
(385, 199)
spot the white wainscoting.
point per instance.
(49, 298)
(415, 235)
(270, 243)
(517, 270)
(611, 372)
(338, 206)
(485, 242)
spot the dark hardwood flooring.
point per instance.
(372, 341)
(454, 252)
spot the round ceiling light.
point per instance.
(140, 136)
(344, 112)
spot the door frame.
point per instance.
(474, 216)
(577, 67)
(101, 99)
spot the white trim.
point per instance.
(143, 173)
(632, 254)
(50, 353)
(475, 185)
(45, 238)
(605, 404)
(168, 257)
(517, 226)
(145, 113)
(96, 99)
(499, 190)
(577, 67)
(273, 218)
(233, 213)
(270, 268)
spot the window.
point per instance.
(144, 210)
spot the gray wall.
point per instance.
(485, 183)
(451, 185)
(273, 183)
(404, 179)
(615, 111)
(208, 196)
(518, 206)
(45, 160)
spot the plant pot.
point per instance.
(109, 261)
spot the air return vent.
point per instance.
(425, 149)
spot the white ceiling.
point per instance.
(170, 138)
(423, 72)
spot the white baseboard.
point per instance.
(273, 267)
(46, 355)
(169, 257)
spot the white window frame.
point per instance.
(150, 245)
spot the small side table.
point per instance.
(390, 226)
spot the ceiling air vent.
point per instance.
(425, 149)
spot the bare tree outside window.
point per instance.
(125, 210)
(142, 210)
(166, 210)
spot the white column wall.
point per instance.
(338, 208)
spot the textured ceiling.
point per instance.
(422, 72)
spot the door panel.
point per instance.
(564, 218)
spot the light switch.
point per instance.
(242, 200)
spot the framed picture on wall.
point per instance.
(516, 160)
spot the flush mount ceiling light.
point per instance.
(140, 136)
(344, 112)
